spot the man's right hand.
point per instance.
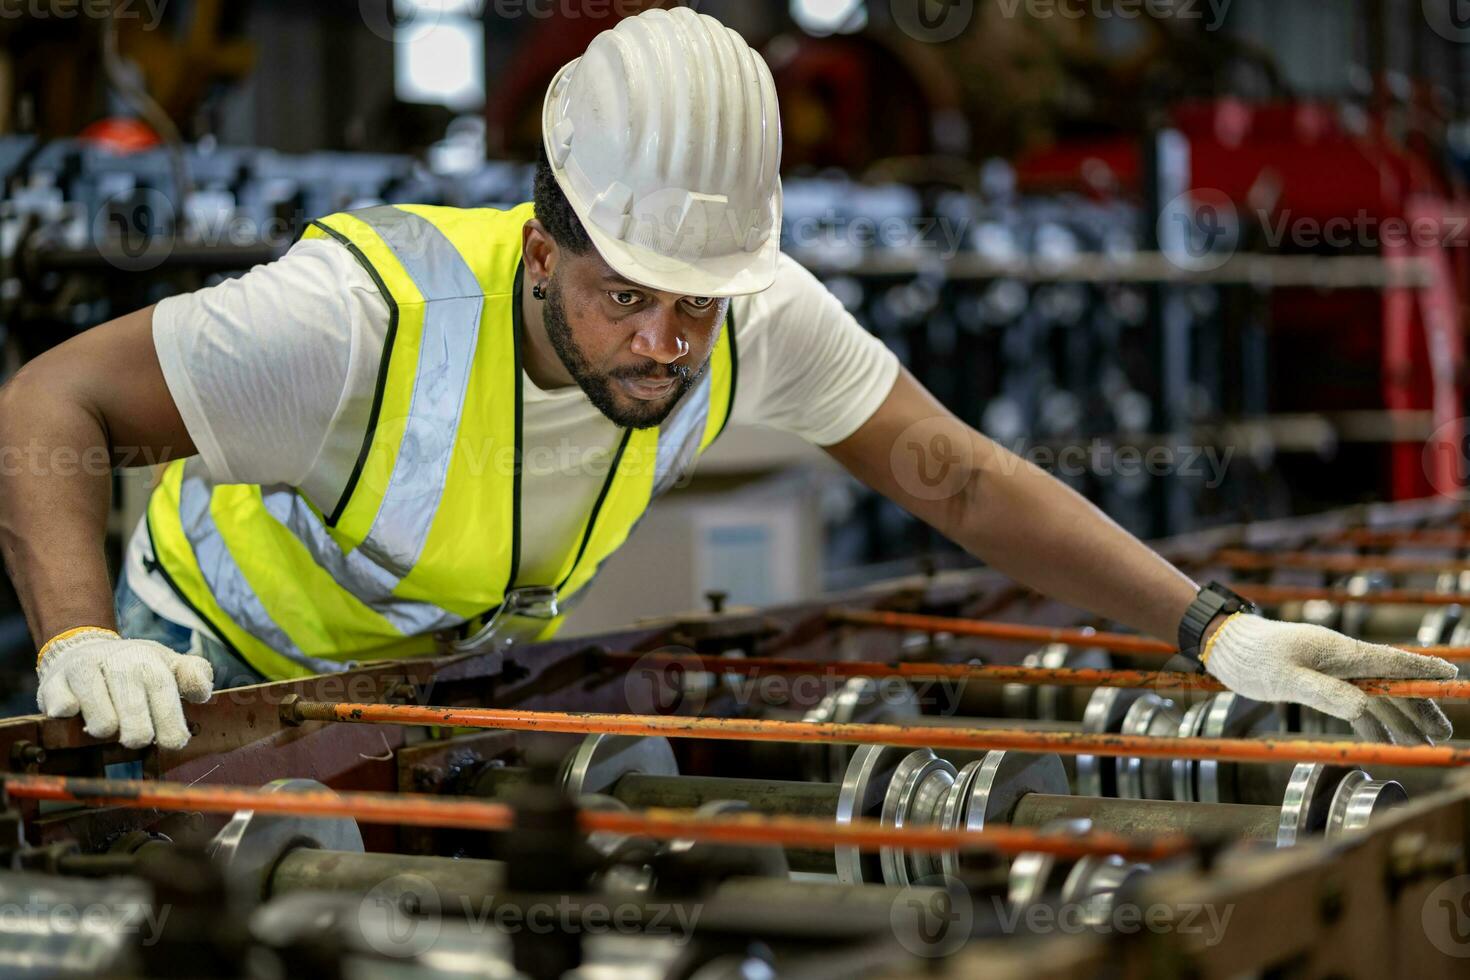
(124, 688)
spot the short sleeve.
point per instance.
(268, 369)
(806, 365)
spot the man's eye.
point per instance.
(624, 297)
(700, 302)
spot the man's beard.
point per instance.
(599, 386)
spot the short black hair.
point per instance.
(555, 212)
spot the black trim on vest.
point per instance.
(597, 508)
(382, 382)
(734, 371)
(515, 496)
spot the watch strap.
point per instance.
(1211, 600)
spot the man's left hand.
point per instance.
(1307, 664)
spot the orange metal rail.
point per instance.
(1002, 674)
(418, 810)
(1022, 632)
(1394, 537)
(910, 736)
(1270, 595)
(1257, 561)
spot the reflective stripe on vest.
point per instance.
(426, 533)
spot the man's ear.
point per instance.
(539, 251)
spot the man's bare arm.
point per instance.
(1011, 514)
(1037, 530)
(66, 418)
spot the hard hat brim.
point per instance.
(730, 275)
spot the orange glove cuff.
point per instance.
(1204, 656)
(65, 634)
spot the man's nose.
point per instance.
(659, 337)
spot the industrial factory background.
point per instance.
(1204, 262)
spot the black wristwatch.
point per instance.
(1212, 600)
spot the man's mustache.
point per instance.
(655, 372)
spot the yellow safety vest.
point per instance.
(426, 534)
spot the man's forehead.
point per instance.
(609, 278)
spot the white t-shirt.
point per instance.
(274, 374)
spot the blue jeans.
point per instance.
(138, 622)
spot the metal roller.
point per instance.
(1106, 709)
(1037, 874)
(858, 699)
(1146, 779)
(1048, 702)
(601, 760)
(864, 786)
(918, 787)
(1229, 715)
(250, 847)
(1333, 800)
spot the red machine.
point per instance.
(1304, 182)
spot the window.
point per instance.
(439, 53)
(823, 17)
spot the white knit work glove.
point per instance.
(128, 688)
(1270, 661)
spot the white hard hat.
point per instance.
(665, 138)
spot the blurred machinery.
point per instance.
(1053, 321)
(825, 789)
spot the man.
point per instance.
(361, 430)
